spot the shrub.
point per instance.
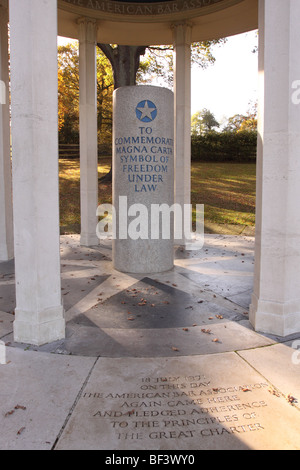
(225, 147)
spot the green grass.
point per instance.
(69, 189)
(227, 191)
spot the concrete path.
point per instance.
(162, 362)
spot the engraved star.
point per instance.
(146, 112)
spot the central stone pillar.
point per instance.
(143, 179)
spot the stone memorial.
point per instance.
(143, 179)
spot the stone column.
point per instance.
(39, 312)
(275, 305)
(88, 131)
(6, 216)
(182, 89)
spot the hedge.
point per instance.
(225, 147)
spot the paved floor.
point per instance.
(166, 361)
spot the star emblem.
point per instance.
(146, 111)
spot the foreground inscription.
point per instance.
(181, 407)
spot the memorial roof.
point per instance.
(142, 22)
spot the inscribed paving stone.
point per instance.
(189, 403)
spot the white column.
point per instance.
(275, 305)
(88, 131)
(6, 216)
(182, 89)
(39, 315)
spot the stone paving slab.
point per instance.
(189, 403)
(152, 304)
(185, 375)
(6, 323)
(149, 342)
(37, 392)
(281, 364)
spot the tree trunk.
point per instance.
(125, 62)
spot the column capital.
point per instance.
(182, 32)
(87, 29)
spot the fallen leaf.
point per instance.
(185, 329)
(216, 340)
(274, 392)
(206, 331)
(246, 389)
(219, 317)
(20, 407)
(291, 399)
(175, 349)
(20, 431)
(9, 413)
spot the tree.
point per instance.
(243, 122)
(158, 61)
(68, 95)
(128, 68)
(125, 62)
(203, 122)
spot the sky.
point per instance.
(227, 87)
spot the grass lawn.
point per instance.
(226, 189)
(228, 192)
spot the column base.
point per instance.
(6, 253)
(39, 333)
(275, 318)
(89, 239)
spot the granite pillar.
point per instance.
(143, 179)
